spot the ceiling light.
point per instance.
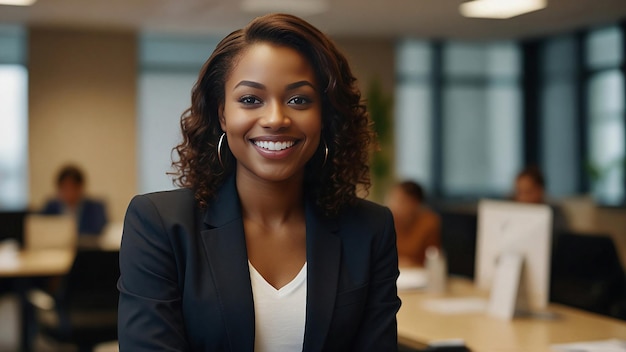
(500, 8)
(300, 7)
(17, 2)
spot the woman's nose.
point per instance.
(275, 117)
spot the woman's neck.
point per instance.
(270, 203)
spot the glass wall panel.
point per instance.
(413, 113)
(560, 153)
(169, 69)
(13, 119)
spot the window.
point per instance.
(560, 152)
(13, 110)
(481, 134)
(169, 69)
(458, 120)
(412, 123)
(605, 113)
(459, 123)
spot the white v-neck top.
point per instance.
(280, 314)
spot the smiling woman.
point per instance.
(270, 99)
(267, 246)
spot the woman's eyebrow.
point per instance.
(251, 84)
(299, 84)
(290, 86)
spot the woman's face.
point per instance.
(70, 192)
(527, 190)
(272, 113)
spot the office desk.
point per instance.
(40, 262)
(418, 326)
(35, 263)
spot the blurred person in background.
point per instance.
(530, 188)
(90, 214)
(417, 227)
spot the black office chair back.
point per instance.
(12, 225)
(91, 283)
(458, 240)
(586, 272)
(87, 301)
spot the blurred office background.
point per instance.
(103, 83)
(473, 100)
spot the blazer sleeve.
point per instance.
(149, 314)
(378, 330)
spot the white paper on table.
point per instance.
(456, 305)
(412, 279)
(611, 345)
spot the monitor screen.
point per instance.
(524, 229)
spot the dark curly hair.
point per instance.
(534, 173)
(346, 126)
(70, 172)
(412, 189)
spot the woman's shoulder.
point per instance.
(172, 212)
(177, 199)
(366, 213)
(368, 206)
(179, 194)
(365, 222)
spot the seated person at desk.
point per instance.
(417, 227)
(530, 188)
(90, 214)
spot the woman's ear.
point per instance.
(220, 111)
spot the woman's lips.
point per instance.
(274, 148)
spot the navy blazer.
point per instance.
(91, 217)
(185, 284)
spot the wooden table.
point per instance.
(34, 263)
(419, 326)
(40, 262)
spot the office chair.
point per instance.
(84, 312)
(587, 274)
(458, 240)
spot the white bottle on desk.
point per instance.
(436, 270)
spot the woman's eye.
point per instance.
(298, 101)
(249, 100)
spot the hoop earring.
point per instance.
(219, 149)
(325, 154)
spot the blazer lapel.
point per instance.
(225, 246)
(323, 252)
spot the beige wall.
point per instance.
(370, 59)
(374, 59)
(82, 108)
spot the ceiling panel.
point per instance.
(389, 18)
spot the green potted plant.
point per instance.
(379, 106)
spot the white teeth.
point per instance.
(274, 146)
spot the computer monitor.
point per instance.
(12, 225)
(523, 229)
